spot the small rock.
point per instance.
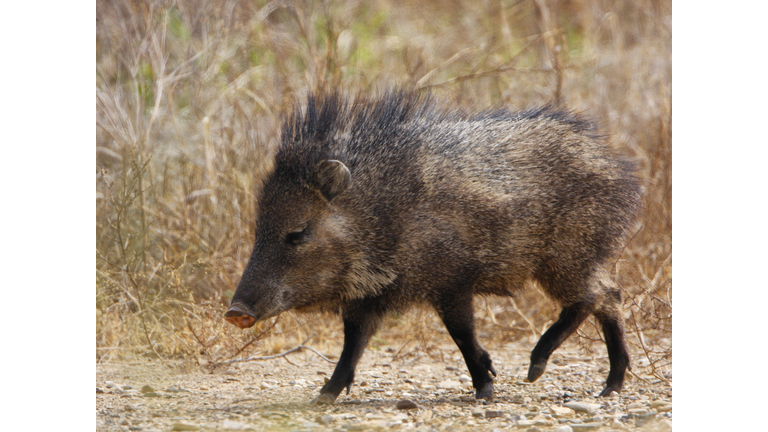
(493, 414)
(274, 414)
(635, 405)
(233, 425)
(147, 389)
(559, 411)
(582, 407)
(564, 428)
(151, 394)
(406, 404)
(585, 426)
(477, 413)
(184, 426)
(464, 378)
(449, 385)
(325, 420)
(99, 391)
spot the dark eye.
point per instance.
(296, 237)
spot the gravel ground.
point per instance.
(419, 394)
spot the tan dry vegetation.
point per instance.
(189, 100)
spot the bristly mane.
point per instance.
(328, 113)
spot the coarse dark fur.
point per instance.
(378, 203)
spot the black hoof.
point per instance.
(535, 371)
(323, 399)
(485, 392)
(608, 390)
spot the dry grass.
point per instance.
(189, 97)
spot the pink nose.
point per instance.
(239, 319)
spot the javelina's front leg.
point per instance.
(358, 329)
(460, 322)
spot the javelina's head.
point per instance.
(300, 253)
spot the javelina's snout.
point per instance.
(237, 316)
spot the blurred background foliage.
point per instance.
(189, 99)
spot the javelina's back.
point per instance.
(389, 201)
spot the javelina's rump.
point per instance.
(375, 204)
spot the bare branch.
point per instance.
(283, 354)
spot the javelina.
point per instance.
(376, 204)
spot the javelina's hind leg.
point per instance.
(358, 329)
(570, 318)
(457, 316)
(609, 316)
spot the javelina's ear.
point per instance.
(332, 178)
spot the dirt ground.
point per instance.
(272, 395)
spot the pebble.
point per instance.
(585, 426)
(175, 389)
(233, 425)
(465, 378)
(406, 404)
(559, 411)
(325, 420)
(477, 413)
(493, 414)
(449, 385)
(565, 428)
(147, 389)
(582, 406)
(184, 426)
